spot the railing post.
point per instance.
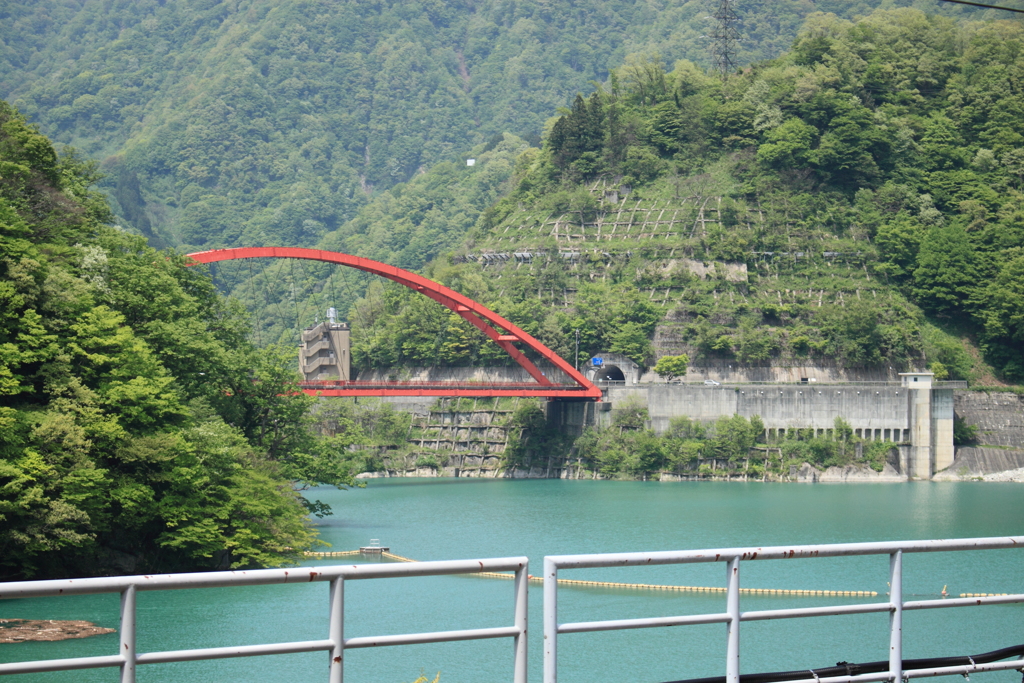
(519, 618)
(732, 608)
(337, 629)
(128, 634)
(550, 621)
(896, 616)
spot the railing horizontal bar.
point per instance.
(257, 577)
(780, 552)
(862, 678)
(918, 673)
(833, 610)
(652, 622)
(965, 602)
(61, 665)
(436, 637)
(959, 670)
(228, 652)
(385, 571)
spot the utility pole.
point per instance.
(724, 38)
(577, 350)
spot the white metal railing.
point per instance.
(128, 658)
(732, 616)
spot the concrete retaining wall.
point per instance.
(973, 461)
(999, 417)
(511, 373)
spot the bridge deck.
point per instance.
(468, 389)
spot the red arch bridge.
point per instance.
(561, 381)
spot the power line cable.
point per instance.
(850, 669)
(295, 301)
(312, 288)
(255, 306)
(981, 4)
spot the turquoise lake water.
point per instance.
(435, 519)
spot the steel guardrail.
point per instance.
(335, 644)
(732, 616)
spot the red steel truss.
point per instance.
(500, 331)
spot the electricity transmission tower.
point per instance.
(724, 38)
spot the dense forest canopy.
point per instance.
(405, 225)
(139, 429)
(860, 196)
(253, 122)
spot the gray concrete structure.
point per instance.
(914, 414)
(942, 429)
(325, 352)
(611, 368)
(877, 412)
(919, 387)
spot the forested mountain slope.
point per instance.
(139, 430)
(843, 202)
(405, 226)
(229, 122)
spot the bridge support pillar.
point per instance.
(571, 417)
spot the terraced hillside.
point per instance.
(854, 206)
(709, 264)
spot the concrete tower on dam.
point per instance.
(916, 414)
(325, 351)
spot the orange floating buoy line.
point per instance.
(628, 586)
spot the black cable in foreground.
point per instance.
(981, 4)
(847, 669)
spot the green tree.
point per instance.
(946, 274)
(898, 241)
(631, 341)
(788, 146)
(1003, 315)
(671, 367)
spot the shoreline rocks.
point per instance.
(47, 630)
(808, 474)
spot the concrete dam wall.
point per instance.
(916, 413)
(867, 408)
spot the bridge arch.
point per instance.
(498, 329)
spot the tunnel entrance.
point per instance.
(609, 373)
